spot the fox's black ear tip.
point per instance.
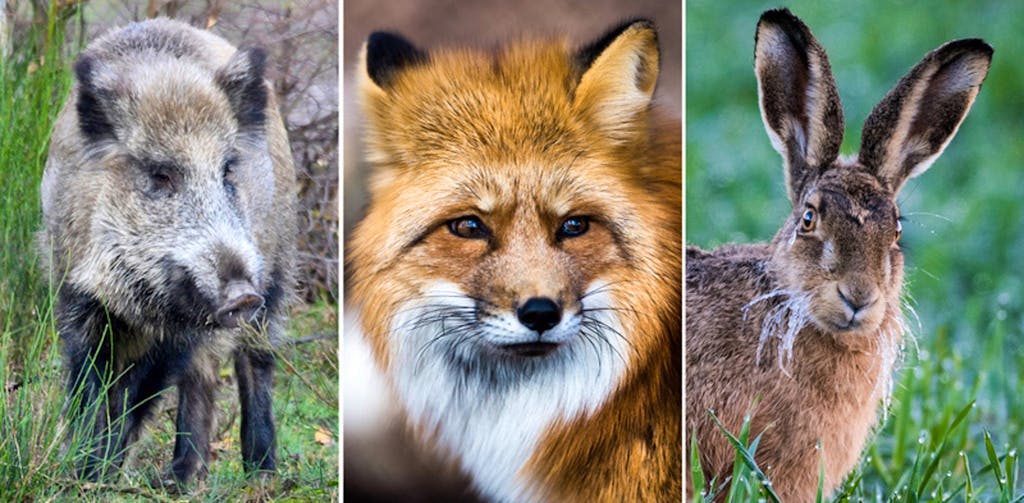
(636, 22)
(387, 53)
(586, 55)
(386, 40)
(640, 22)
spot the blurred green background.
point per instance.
(963, 234)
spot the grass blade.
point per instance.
(746, 457)
(696, 472)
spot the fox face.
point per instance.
(527, 250)
(513, 195)
(520, 257)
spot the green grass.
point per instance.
(964, 234)
(31, 94)
(34, 462)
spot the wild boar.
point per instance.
(168, 199)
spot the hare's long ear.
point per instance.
(798, 97)
(619, 72)
(912, 125)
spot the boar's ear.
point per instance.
(92, 118)
(383, 57)
(619, 72)
(241, 79)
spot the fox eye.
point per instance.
(468, 228)
(574, 226)
(809, 220)
(899, 230)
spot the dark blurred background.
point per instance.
(380, 463)
(964, 230)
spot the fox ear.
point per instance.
(798, 98)
(383, 57)
(241, 79)
(620, 71)
(912, 125)
(92, 100)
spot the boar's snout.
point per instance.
(241, 305)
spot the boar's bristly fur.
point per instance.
(168, 200)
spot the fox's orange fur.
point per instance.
(525, 139)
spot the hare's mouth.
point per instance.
(851, 325)
(847, 324)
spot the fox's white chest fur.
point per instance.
(492, 419)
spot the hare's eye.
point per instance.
(809, 221)
(899, 230)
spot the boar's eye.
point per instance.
(228, 168)
(469, 228)
(162, 177)
(227, 174)
(574, 226)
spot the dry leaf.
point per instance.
(223, 445)
(323, 437)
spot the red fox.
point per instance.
(518, 272)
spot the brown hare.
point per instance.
(810, 326)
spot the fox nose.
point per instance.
(241, 305)
(539, 314)
(855, 302)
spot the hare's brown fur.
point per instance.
(803, 333)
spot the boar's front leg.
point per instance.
(255, 368)
(196, 390)
(89, 367)
(103, 394)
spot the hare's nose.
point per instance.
(855, 300)
(539, 314)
